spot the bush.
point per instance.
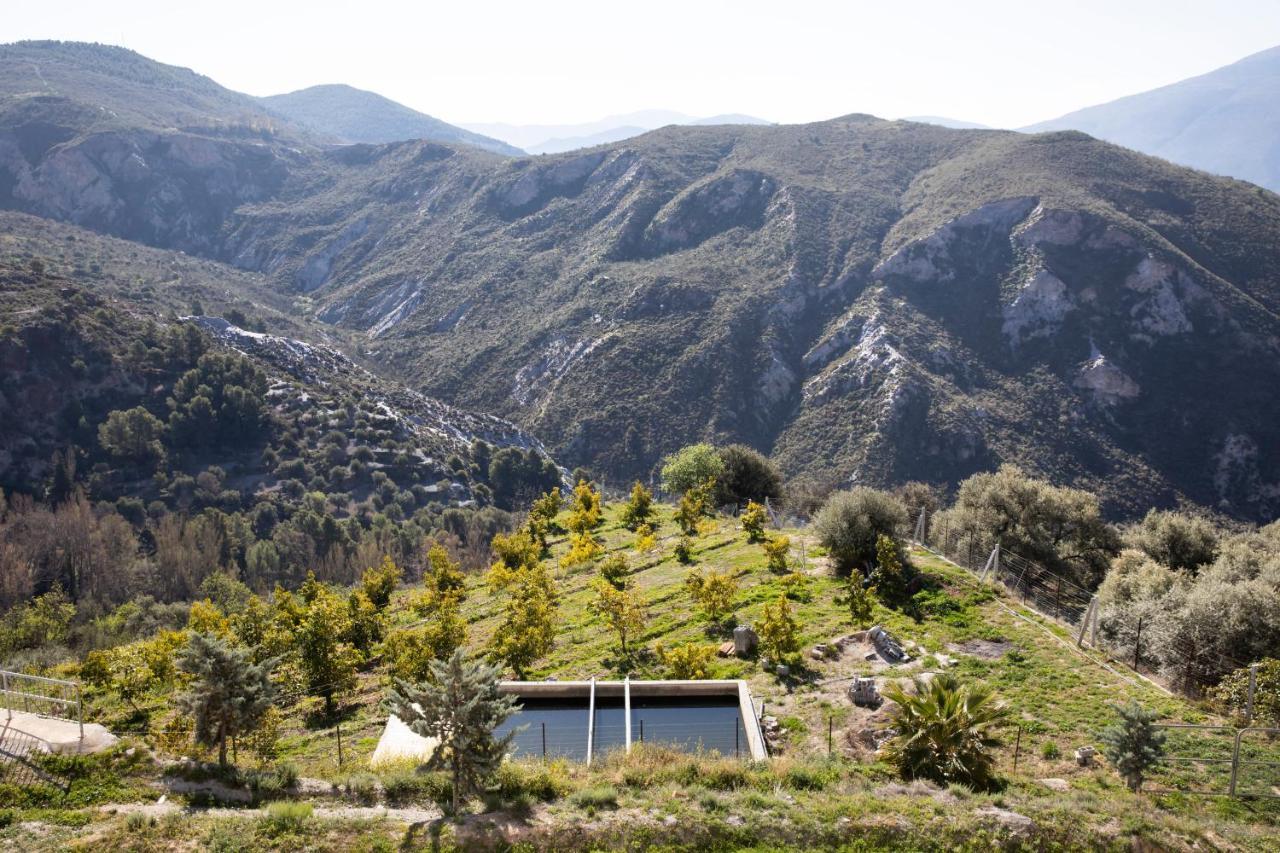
(687, 662)
(596, 797)
(850, 523)
(286, 818)
(1181, 541)
(945, 732)
(691, 466)
(1233, 693)
(746, 475)
(541, 780)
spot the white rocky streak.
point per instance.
(1039, 309)
(920, 260)
(1164, 287)
(1108, 383)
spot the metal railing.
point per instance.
(18, 763)
(46, 697)
(1217, 761)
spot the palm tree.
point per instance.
(945, 731)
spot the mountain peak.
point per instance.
(356, 115)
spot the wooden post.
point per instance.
(830, 729)
(1017, 749)
(1137, 646)
(1084, 622)
(544, 741)
(338, 730)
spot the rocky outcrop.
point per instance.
(173, 190)
(1039, 309)
(736, 199)
(1107, 383)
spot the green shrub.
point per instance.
(286, 817)
(542, 781)
(595, 797)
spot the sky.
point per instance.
(996, 62)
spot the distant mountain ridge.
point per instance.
(557, 138)
(869, 301)
(1226, 121)
(354, 115)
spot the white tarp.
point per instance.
(400, 743)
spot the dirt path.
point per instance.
(410, 814)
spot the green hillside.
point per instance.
(809, 796)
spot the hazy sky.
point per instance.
(1000, 62)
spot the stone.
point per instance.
(744, 640)
(1055, 784)
(863, 692)
(886, 646)
(819, 652)
(1084, 756)
(783, 670)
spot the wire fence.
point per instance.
(1198, 759)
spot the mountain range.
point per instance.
(1226, 122)
(869, 301)
(557, 138)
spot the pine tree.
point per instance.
(229, 694)
(460, 706)
(1133, 744)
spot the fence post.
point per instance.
(736, 752)
(544, 741)
(1253, 688)
(1137, 645)
(1084, 623)
(831, 723)
(993, 562)
(1057, 599)
(338, 729)
(1017, 749)
(1235, 764)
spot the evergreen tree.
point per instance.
(1132, 744)
(229, 693)
(460, 706)
(694, 504)
(443, 575)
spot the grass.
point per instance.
(802, 798)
